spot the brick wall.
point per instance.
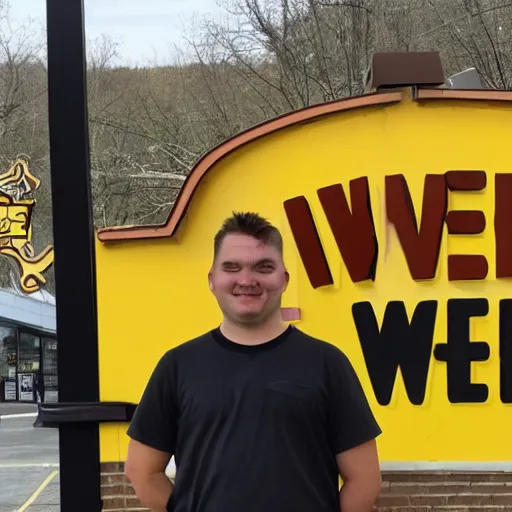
(116, 491)
(407, 491)
(446, 491)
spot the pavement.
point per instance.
(29, 462)
(12, 408)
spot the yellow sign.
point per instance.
(16, 228)
(395, 210)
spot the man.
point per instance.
(259, 416)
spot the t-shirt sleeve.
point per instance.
(155, 419)
(351, 420)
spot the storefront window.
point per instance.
(8, 361)
(49, 388)
(28, 366)
(29, 353)
(29, 363)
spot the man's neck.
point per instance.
(252, 335)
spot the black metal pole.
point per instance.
(73, 235)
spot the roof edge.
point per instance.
(208, 160)
(429, 93)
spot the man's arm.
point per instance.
(360, 470)
(353, 430)
(145, 468)
(153, 432)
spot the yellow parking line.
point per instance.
(38, 491)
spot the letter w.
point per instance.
(354, 231)
(397, 343)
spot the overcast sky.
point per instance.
(144, 28)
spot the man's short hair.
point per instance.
(251, 224)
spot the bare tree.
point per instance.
(19, 51)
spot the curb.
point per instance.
(22, 465)
(15, 416)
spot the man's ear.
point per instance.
(287, 279)
(210, 284)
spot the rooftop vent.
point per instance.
(467, 79)
(402, 69)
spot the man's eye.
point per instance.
(266, 268)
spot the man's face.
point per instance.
(248, 278)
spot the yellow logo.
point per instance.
(15, 225)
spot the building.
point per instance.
(28, 347)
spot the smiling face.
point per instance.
(248, 279)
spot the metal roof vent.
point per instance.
(467, 79)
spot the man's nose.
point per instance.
(246, 277)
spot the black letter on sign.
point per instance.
(397, 344)
(459, 351)
(506, 351)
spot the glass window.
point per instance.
(49, 367)
(8, 353)
(29, 353)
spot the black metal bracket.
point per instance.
(52, 415)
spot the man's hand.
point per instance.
(360, 470)
(145, 468)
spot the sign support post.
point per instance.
(73, 234)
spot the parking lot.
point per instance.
(29, 458)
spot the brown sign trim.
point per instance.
(425, 93)
(168, 229)
(222, 150)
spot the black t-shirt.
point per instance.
(254, 428)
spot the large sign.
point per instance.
(400, 342)
(16, 208)
(396, 213)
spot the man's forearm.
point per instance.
(356, 497)
(154, 491)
